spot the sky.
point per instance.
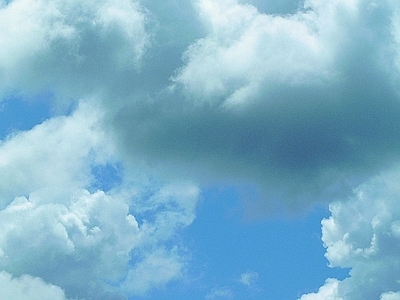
(199, 149)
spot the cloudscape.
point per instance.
(199, 149)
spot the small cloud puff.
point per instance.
(249, 278)
(217, 293)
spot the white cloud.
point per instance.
(59, 44)
(390, 296)
(304, 105)
(156, 269)
(362, 234)
(28, 288)
(53, 157)
(329, 291)
(218, 293)
(246, 50)
(249, 278)
(89, 243)
(284, 102)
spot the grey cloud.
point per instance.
(312, 134)
(72, 48)
(303, 105)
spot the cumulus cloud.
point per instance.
(53, 156)
(29, 288)
(301, 105)
(57, 228)
(390, 296)
(57, 45)
(74, 247)
(329, 291)
(363, 234)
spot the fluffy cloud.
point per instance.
(264, 48)
(56, 227)
(363, 234)
(390, 296)
(63, 44)
(28, 288)
(60, 149)
(75, 247)
(302, 105)
(329, 291)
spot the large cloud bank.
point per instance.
(304, 106)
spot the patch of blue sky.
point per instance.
(19, 113)
(107, 176)
(287, 254)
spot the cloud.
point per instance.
(58, 228)
(75, 247)
(363, 234)
(28, 288)
(390, 296)
(329, 291)
(283, 7)
(217, 293)
(302, 105)
(54, 156)
(249, 278)
(156, 269)
(57, 45)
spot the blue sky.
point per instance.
(205, 149)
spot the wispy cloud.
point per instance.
(220, 293)
(249, 278)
